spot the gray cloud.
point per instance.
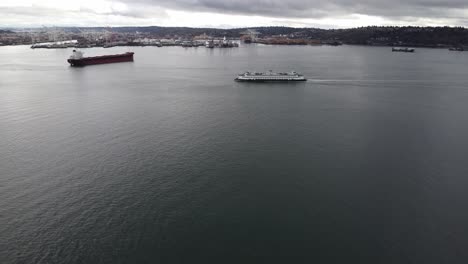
(319, 8)
(37, 16)
(293, 12)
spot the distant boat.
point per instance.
(77, 59)
(210, 44)
(403, 50)
(187, 44)
(333, 43)
(457, 49)
(270, 76)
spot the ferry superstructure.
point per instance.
(270, 76)
(403, 50)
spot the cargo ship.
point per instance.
(77, 59)
(270, 76)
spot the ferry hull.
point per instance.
(126, 57)
(271, 80)
(403, 50)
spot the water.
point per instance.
(169, 160)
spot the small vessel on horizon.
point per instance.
(270, 76)
(394, 49)
(227, 43)
(458, 49)
(210, 44)
(77, 59)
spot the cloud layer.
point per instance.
(319, 8)
(228, 12)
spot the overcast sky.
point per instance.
(233, 13)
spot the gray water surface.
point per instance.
(168, 160)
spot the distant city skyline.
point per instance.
(231, 14)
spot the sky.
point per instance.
(233, 13)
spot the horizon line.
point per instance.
(220, 28)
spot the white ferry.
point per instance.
(403, 50)
(270, 76)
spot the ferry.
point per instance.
(270, 76)
(403, 50)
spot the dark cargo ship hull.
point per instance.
(101, 59)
